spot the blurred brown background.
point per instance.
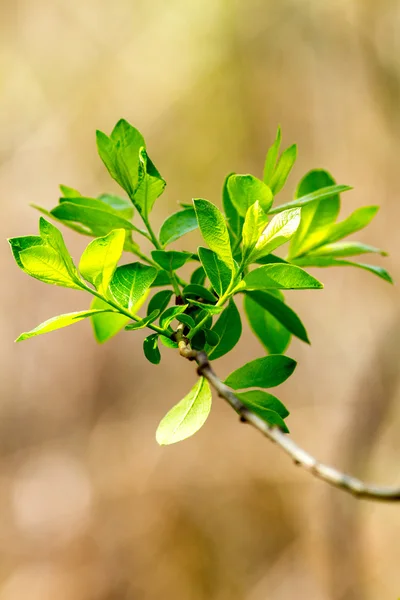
(91, 508)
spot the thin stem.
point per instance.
(326, 473)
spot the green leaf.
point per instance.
(69, 192)
(234, 219)
(167, 342)
(281, 228)
(186, 320)
(170, 314)
(199, 291)
(229, 329)
(280, 276)
(159, 301)
(212, 338)
(162, 278)
(271, 259)
(272, 155)
(272, 334)
(19, 244)
(211, 308)
(261, 403)
(184, 419)
(143, 322)
(325, 261)
(326, 192)
(53, 238)
(107, 324)
(122, 206)
(217, 271)
(265, 372)
(100, 259)
(176, 225)
(283, 168)
(338, 249)
(198, 341)
(130, 282)
(151, 185)
(58, 323)
(317, 216)
(170, 260)
(150, 349)
(359, 219)
(97, 220)
(254, 224)
(244, 190)
(281, 311)
(44, 263)
(214, 231)
(199, 275)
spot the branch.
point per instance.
(330, 475)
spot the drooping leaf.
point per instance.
(326, 261)
(326, 192)
(96, 220)
(169, 315)
(283, 168)
(170, 260)
(271, 158)
(268, 371)
(317, 216)
(234, 219)
(281, 311)
(214, 230)
(151, 185)
(254, 224)
(151, 350)
(217, 271)
(184, 419)
(107, 324)
(59, 322)
(359, 219)
(280, 276)
(229, 329)
(176, 225)
(199, 291)
(281, 228)
(272, 334)
(261, 403)
(159, 301)
(130, 282)
(143, 322)
(343, 249)
(100, 259)
(244, 190)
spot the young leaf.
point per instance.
(283, 168)
(281, 311)
(272, 334)
(184, 419)
(359, 219)
(143, 322)
(130, 282)
(150, 349)
(170, 260)
(19, 244)
(326, 192)
(264, 400)
(265, 372)
(343, 249)
(244, 190)
(100, 259)
(44, 263)
(214, 231)
(280, 276)
(251, 401)
(272, 155)
(217, 271)
(107, 324)
(280, 229)
(176, 225)
(317, 216)
(96, 220)
(229, 329)
(234, 219)
(59, 322)
(254, 223)
(159, 301)
(199, 275)
(69, 192)
(53, 238)
(151, 185)
(326, 261)
(199, 291)
(170, 314)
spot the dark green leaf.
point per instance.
(162, 278)
(150, 349)
(143, 322)
(229, 329)
(130, 283)
(265, 372)
(170, 260)
(198, 341)
(217, 271)
(263, 400)
(159, 301)
(211, 308)
(199, 291)
(170, 314)
(186, 320)
(212, 338)
(184, 419)
(198, 276)
(272, 334)
(280, 276)
(244, 190)
(177, 225)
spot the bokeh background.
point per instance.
(90, 507)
